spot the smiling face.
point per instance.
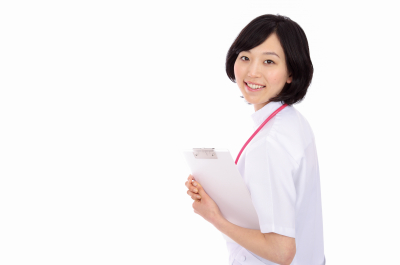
(263, 66)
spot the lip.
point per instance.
(252, 90)
(253, 83)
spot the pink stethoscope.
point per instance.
(259, 128)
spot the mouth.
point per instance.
(251, 87)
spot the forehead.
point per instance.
(270, 45)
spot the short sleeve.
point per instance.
(270, 168)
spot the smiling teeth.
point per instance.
(254, 86)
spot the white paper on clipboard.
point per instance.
(216, 171)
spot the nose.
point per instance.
(254, 70)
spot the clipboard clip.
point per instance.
(204, 153)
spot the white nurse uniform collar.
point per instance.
(262, 114)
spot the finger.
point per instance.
(194, 196)
(190, 187)
(196, 184)
(201, 190)
(188, 184)
(189, 181)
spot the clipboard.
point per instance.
(216, 171)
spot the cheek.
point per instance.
(276, 77)
(238, 73)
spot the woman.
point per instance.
(270, 62)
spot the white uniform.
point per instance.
(280, 168)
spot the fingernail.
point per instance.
(194, 184)
(195, 190)
(198, 196)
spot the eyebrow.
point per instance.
(268, 53)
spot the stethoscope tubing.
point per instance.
(259, 128)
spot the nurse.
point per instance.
(270, 62)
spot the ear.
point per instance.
(289, 80)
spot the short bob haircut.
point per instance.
(295, 45)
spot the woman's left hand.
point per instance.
(206, 207)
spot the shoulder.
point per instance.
(292, 121)
(292, 132)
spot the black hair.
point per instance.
(294, 43)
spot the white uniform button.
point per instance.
(242, 258)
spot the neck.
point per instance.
(259, 106)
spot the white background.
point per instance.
(99, 98)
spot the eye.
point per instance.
(243, 57)
(269, 61)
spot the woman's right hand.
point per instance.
(192, 190)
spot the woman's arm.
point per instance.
(271, 246)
